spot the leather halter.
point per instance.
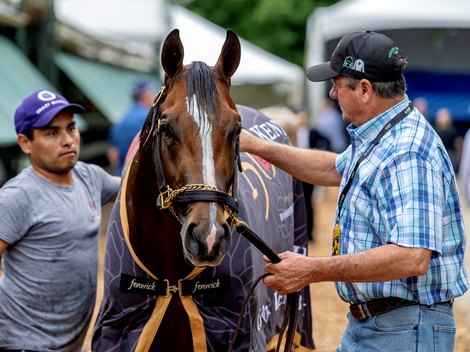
(193, 192)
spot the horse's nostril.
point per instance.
(227, 242)
(192, 244)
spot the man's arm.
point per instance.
(385, 263)
(309, 165)
(113, 155)
(3, 246)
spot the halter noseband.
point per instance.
(193, 192)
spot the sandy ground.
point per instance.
(329, 312)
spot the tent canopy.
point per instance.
(105, 85)
(203, 41)
(138, 26)
(431, 33)
(142, 29)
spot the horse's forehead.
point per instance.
(181, 100)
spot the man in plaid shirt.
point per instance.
(398, 239)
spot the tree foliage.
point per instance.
(277, 26)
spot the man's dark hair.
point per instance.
(29, 133)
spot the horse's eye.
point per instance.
(237, 133)
(166, 130)
(239, 130)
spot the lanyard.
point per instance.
(397, 118)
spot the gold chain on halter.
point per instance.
(167, 197)
(232, 217)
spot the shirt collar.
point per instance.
(368, 131)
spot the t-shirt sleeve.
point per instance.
(107, 185)
(14, 210)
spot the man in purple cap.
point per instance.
(123, 132)
(50, 217)
(398, 239)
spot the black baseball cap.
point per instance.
(368, 55)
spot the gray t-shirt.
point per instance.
(47, 293)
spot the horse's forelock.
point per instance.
(201, 85)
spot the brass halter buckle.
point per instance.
(166, 198)
(170, 289)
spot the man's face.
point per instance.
(55, 148)
(348, 99)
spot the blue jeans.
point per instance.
(417, 328)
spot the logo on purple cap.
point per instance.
(45, 95)
(49, 99)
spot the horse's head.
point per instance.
(197, 128)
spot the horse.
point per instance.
(176, 273)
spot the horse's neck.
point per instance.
(154, 236)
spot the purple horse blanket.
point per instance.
(271, 203)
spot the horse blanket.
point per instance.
(272, 204)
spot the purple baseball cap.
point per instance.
(39, 108)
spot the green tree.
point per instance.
(277, 26)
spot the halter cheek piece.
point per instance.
(193, 192)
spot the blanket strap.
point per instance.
(195, 320)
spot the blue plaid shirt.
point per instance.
(404, 193)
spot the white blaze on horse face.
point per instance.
(212, 236)
(208, 168)
(205, 133)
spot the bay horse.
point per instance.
(176, 274)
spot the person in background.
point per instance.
(309, 137)
(464, 170)
(123, 132)
(51, 215)
(398, 237)
(421, 103)
(446, 130)
(330, 124)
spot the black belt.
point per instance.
(362, 311)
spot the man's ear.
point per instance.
(366, 90)
(24, 143)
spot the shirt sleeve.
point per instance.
(342, 160)
(15, 214)
(108, 185)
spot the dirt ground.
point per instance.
(329, 312)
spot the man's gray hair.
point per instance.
(386, 90)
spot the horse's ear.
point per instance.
(172, 53)
(229, 57)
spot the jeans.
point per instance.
(417, 328)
